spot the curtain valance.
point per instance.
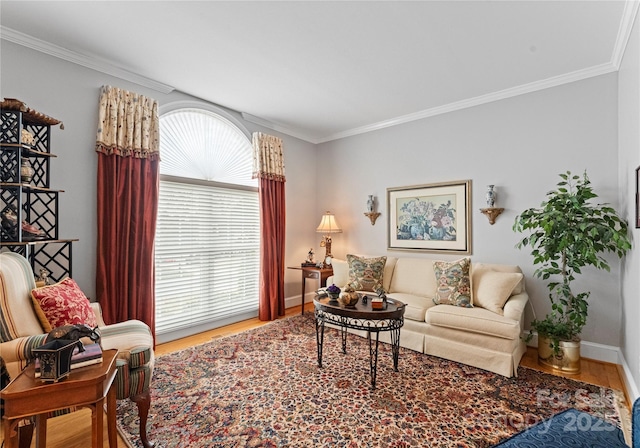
(128, 124)
(268, 157)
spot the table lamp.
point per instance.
(328, 225)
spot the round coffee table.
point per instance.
(361, 317)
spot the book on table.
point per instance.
(92, 354)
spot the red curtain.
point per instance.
(127, 143)
(127, 210)
(272, 226)
(268, 167)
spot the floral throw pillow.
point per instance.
(365, 274)
(62, 304)
(453, 282)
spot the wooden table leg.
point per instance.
(111, 417)
(304, 279)
(97, 428)
(41, 430)
(10, 437)
(25, 434)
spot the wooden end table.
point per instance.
(89, 386)
(315, 273)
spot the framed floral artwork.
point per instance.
(430, 218)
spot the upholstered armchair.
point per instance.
(21, 331)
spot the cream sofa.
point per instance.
(475, 336)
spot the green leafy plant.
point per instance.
(567, 233)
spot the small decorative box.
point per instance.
(377, 303)
(55, 359)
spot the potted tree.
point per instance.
(567, 233)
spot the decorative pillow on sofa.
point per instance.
(492, 289)
(365, 274)
(62, 304)
(453, 282)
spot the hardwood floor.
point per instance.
(593, 372)
(74, 430)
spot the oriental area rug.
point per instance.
(263, 388)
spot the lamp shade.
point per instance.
(328, 224)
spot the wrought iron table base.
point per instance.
(346, 322)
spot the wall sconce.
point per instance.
(328, 225)
(491, 212)
(371, 213)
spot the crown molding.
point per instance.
(479, 100)
(91, 62)
(280, 128)
(624, 32)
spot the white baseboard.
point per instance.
(629, 383)
(604, 353)
(295, 300)
(591, 350)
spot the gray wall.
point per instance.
(70, 93)
(629, 139)
(520, 145)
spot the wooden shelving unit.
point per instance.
(28, 202)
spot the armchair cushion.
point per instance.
(62, 304)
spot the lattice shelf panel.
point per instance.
(54, 256)
(39, 209)
(25, 140)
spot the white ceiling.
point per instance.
(321, 70)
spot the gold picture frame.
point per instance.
(430, 218)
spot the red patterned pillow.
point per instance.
(62, 304)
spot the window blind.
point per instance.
(207, 255)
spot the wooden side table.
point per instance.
(315, 273)
(89, 386)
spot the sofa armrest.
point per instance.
(17, 353)
(340, 273)
(330, 280)
(97, 310)
(514, 308)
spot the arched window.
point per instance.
(208, 231)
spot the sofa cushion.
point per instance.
(413, 276)
(448, 337)
(492, 289)
(389, 268)
(365, 274)
(416, 306)
(454, 282)
(62, 304)
(473, 320)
